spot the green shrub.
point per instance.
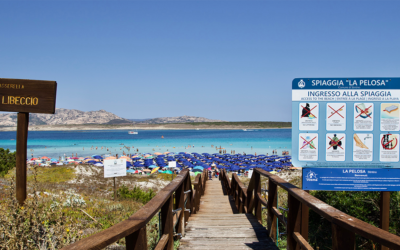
(136, 194)
(361, 205)
(7, 161)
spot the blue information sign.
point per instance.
(351, 179)
(346, 123)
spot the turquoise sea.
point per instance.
(83, 143)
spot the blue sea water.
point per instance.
(60, 143)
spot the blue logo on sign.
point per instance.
(311, 176)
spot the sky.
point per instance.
(227, 60)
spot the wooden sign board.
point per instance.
(28, 96)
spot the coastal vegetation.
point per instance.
(7, 161)
(362, 205)
(65, 204)
(260, 125)
(136, 194)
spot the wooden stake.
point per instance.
(115, 191)
(22, 141)
(385, 212)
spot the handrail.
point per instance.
(344, 226)
(134, 228)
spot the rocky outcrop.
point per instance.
(66, 117)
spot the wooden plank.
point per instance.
(302, 242)
(21, 171)
(28, 96)
(215, 226)
(280, 216)
(162, 242)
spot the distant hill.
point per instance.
(177, 119)
(66, 117)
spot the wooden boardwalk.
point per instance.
(217, 225)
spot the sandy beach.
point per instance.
(136, 126)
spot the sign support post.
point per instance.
(22, 142)
(115, 191)
(385, 212)
(25, 96)
(114, 168)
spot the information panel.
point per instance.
(351, 123)
(114, 168)
(351, 179)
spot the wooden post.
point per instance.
(180, 202)
(188, 186)
(257, 202)
(293, 222)
(304, 220)
(342, 239)
(115, 191)
(272, 202)
(22, 141)
(137, 240)
(385, 212)
(167, 222)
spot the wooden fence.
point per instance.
(174, 216)
(344, 227)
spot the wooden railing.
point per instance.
(344, 227)
(173, 216)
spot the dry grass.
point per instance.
(55, 212)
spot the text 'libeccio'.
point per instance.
(18, 100)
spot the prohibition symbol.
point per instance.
(308, 111)
(335, 143)
(308, 142)
(389, 144)
(364, 111)
(336, 111)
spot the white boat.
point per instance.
(244, 129)
(133, 132)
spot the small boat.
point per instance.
(244, 129)
(133, 132)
